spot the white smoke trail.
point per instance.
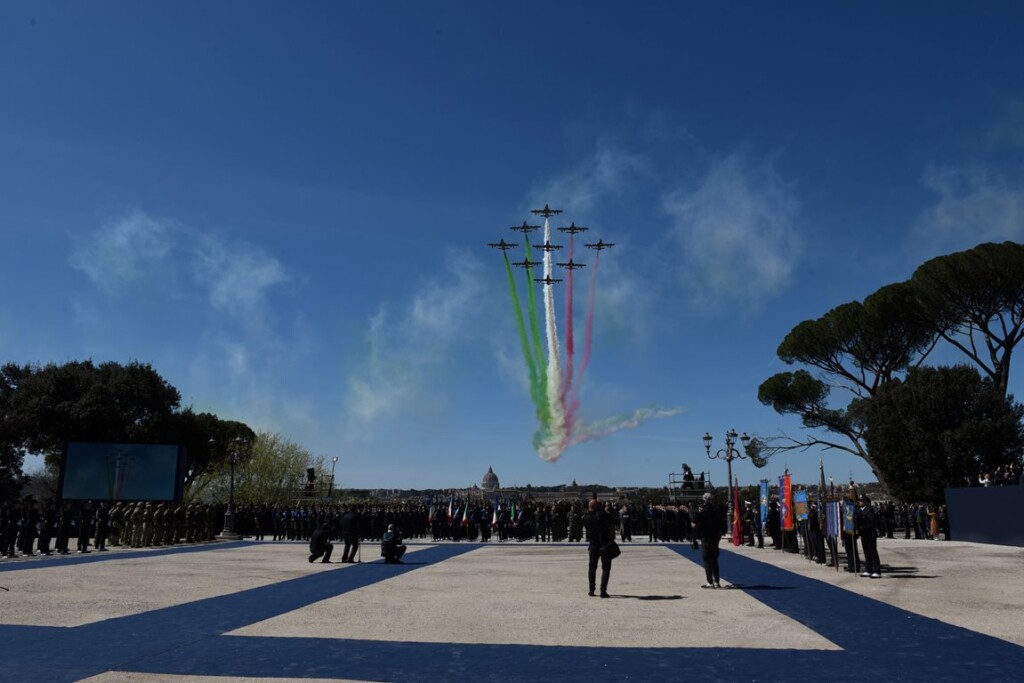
(596, 430)
(552, 446)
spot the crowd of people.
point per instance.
(1006, 475)
(28, 528)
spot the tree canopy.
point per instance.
(45, 407)
(940, 427)
(271, 469)
(974, 300)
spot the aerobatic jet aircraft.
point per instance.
(599, 245)
(502, 244)
(572, 229)
(547, 212)
(572, 266)
(548, 280)
(524, 228)
(547, 246)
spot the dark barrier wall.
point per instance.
(986, 515)
(122, 471)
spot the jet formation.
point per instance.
(547, 246)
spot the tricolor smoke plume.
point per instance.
(554, 391)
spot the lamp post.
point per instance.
(729, 453)
(229, 533)
(330, 488)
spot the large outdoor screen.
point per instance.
(119, 471)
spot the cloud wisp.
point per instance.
(581, 191)
(736, 233)
(136, 248)
(974, 205)
(126, 250)
(405, 351)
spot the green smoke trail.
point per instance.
(544, 413)
(537, 392)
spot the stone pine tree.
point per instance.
(852, 350)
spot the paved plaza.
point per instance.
(246, 611)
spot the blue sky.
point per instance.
(285, 208)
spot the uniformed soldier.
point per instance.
(137, 517)
(116, 523)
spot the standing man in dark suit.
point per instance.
(102, 526)
(707, 526)
(868, 539)
(600, 530)
(349, 528)
(320, 544)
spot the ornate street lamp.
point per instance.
(229, 533)
(729, 453)
(330, 488)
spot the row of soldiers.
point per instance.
(27, 527)
(152, 524)
(147, 524)
(280, 522)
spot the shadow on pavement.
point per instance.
(650, 597)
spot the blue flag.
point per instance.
(764, 502)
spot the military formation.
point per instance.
(27, 528)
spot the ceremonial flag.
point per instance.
(783, 502)
(764, 502)
(800, 504)
(451, 501)
(737, 518)
(465, 513)
(832, 518)
(849, 518)
(786, 502)
(494, 517)
(821, 494)
(821, 481)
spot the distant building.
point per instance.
(490, 482)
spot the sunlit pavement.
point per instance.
(259, 611)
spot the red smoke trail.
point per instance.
(573, 404)
(570, 350)
(590, 316)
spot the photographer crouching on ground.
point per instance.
(391, 547)
(320, 543)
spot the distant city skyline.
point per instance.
(286, 210)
